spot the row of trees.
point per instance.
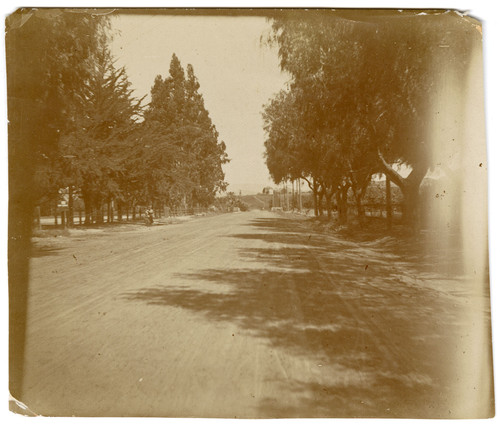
(93, 136)
(360, 100)
(74, 122)
(48, 55)
(120, 152)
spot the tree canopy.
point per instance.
(363, 84)
(186, 142)
(49, 55)
(75, 121)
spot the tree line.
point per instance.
(360, 100)
(76, 123)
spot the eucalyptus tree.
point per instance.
(378, 70)
(292, 152)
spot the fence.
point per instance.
(380, 210)
(60, 217)
(371, 209)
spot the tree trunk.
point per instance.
(359, 183)
(99, 213)
(315, 198)
(388, 202)
(410, 187)
(88, 211)
(411, 195)
(38, 218)
(119, 211)
(358, 196)
(55, 213)
(300, 196)
(110, 210)
(287, 201)
(341, 196)
(87, 201)
(328, 198)
(411, 211)
(70, 206)
(321, 195)
(345, 206)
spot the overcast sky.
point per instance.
(236, 72)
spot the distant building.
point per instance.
(268, 190)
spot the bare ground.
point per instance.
(251, 315)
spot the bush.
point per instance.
(241, 205)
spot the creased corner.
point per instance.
(22, 15)
(18, 18)
(18, 407)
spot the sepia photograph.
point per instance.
(248, 213)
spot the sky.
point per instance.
(237, 73)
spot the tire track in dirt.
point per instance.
(391, 353)
(115, 268)
(163, 325)
(85, 313)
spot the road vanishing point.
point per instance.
(248, 315)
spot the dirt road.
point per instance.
(246, 315)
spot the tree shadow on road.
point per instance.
(427, 252)
(382, 335)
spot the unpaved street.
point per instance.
(246, 315)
